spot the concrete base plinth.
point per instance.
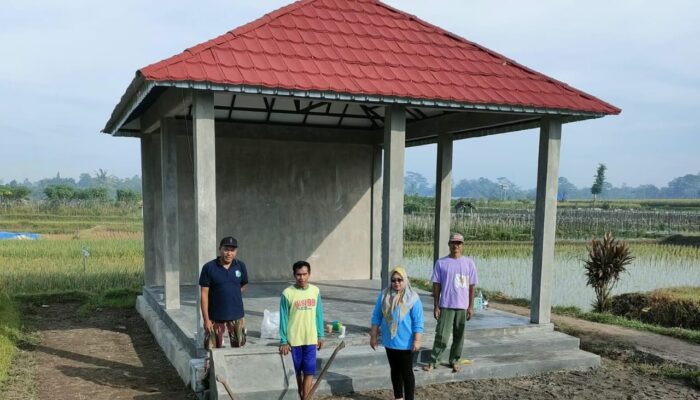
(499, 344)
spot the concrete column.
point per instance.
(443, 195)
(186, 217)
(392, 203)
(376, 218)
(148, 209)
(204, 141)
(545, 221)
(171, 238)
(156, 189)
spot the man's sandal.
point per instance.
(428, 367)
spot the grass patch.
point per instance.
(691, 377)
(10, 328)
(670, 307)
(13, 339)
(685, 293)
(115, 298)
(38, 299)
(689, 335)
(90, 302)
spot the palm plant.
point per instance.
(607, 259)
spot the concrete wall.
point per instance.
(286, 201)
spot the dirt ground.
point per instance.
(107, 355)
(112, 355)
(614, 380)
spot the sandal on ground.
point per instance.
(428, 367)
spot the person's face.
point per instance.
(301, 276)
(456, 248)
(397, 282)
(228, 254)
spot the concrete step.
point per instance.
(267, 375)
(345, 380)
(529, 342)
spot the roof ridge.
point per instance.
(491, 52)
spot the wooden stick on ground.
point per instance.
(226, 386)
(310, 395)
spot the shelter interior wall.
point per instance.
(286, 201)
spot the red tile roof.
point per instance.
(366, 47)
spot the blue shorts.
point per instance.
(304, 358)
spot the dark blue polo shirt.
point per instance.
(225, 300)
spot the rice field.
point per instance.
(56, 262)
(114, 241)
(572, 223)
(507, 267)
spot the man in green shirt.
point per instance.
(301, 325)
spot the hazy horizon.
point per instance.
(68, 65)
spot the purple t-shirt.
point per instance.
(454, 276)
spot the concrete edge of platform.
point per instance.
(174, 350)
(175, 329)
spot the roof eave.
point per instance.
(136, 92)
(376, 99)
(140, 87)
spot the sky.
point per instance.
(67, 63)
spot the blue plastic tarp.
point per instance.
(18, 236)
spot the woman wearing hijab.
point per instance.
(399, 315)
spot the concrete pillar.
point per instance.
(392, 204)
(171, 238)
(545, 221)
(186, 216)
(148, 210)
(376, 218)
(204, 148)
(156, 189)
(443, 195)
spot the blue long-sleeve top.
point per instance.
(411, 324)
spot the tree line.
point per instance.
(101, 187)
(683, 187)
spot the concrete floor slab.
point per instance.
(490, 334)
(350, 302)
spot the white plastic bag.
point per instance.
(270, 328)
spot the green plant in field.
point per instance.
(607, 259)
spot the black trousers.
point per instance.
(402, 379)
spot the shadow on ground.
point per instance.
(109, 354)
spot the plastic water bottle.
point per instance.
(480, 301)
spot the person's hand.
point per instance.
(208, 325)
(285, 349)
(373, 342)
(436, 312)
(319, 344)
(416, 345)
(470, 311)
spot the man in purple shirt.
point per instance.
(454, 279)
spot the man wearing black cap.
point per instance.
(223, 280)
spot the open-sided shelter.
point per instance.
(289, 133)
